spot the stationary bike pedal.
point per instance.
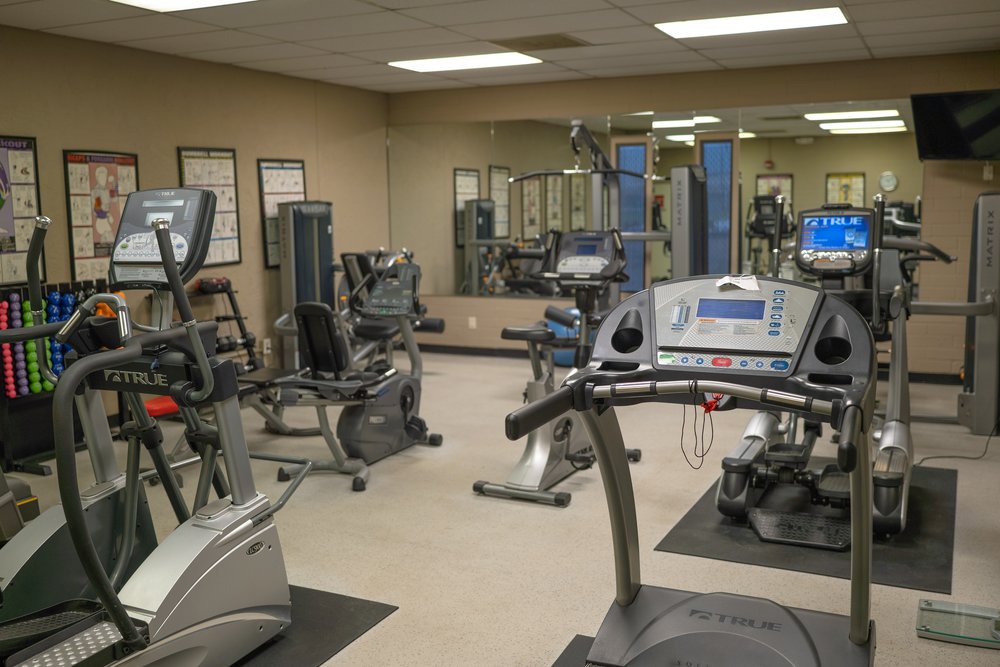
(584, 458)
(416, 428)
(633, 455)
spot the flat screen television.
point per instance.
(957, 126)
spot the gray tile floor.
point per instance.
(485, 581)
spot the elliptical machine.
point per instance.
(215, 588)
(762, 218)
(586, 263)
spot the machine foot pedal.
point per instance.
(834, 484)
(807, 530)
(24, 631)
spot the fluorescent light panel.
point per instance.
(178, 5)
(505, 59)
(861, 125)
(852, 115)
(680, 137)
(748, 135)
(684, 122)
(641, 113)
(736, 25)
(869, 130)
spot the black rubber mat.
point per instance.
(322, 625)
(919, 558)
(575, 654)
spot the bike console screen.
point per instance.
(834, 240)
(135, 257)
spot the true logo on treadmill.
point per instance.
(729, 619)
(254, 548)
(136, 377)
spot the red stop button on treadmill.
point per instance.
(724, 362)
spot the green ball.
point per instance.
(47, 386)
(30, 346)
(35, 387)
(28, 319)
(31, 356)
(32, 367)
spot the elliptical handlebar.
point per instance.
(779, 218)
(877, 231)
(918, 245)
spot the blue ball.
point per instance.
(58, 369)
(57, 357)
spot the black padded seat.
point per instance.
(537, 333)
(371, 329)
(266, 376)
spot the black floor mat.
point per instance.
(575, 654)
(322, 625)
(919, 558)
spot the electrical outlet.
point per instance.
(472, 322)
(987, 172)
(267, 346)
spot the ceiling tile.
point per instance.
(419, 52)
(357, 24)
(406, 4)
(542, 25)
(505, 72)
(635, 48)
(706, 9)
(637, 3)
(202, 41)
(645, 70)
(398, 76)
(355, 71)
(638, 33)
(410, 87)
(755, 38)
(489, 10)
(53, 13)
(795, 59)
(779, 48)
(514, 79)
(908, 9)
(252, 53)
(936, 37)
(639, 60)
(917, 49)
(268, 12)
(308, 62)
(131, 29)
(421, 37)
(930, 23)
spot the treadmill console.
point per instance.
(395, 293)
(135, 258)
(702, 325)
(583, 257)
(835, 240)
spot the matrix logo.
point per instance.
(136, 377)
(254, 548)
(727, 619)
(990, 227)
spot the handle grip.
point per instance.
(560, 316)
(847, 450)
(526, 419)
(429, 325)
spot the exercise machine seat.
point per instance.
(372, 329)
(323, 349)
(266, 376)
(536, 333)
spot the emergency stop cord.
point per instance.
(700, 451)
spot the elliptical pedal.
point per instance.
(22, 632)
(78, 649)
(800, 529)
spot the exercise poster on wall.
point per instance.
(280, 181)
(97, 184)
(577, 202)
(531, 208)
(19, 204)
(553, 202)
(846, 188)
(774, 185)
(466, 188)
(500, 194)
(215, 169)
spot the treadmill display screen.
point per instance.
(730, 309)
(586, 249)
(835, 232)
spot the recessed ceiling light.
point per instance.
(641, 113)
(504, 59)
(680, 137)
(178, 5)
(862, 125)
(736, 25)
(852, 115)
(684, 122)
(689, 143)
(748, 135)
(869, 130)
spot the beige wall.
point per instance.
(84, 95)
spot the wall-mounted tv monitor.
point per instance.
(957, 126)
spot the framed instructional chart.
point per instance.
(466, 188)
(577, 202)
(500, 194)
(846, 188)
(19, 204)
(553, 202)
(215, 169)
(774, 185)
(97, 183)
(280, 181)
(531, 208)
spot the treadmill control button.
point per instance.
(775, 316)
(744, 363)
(699, 361)
(759, 364)
(723, 362)
(779, 365)
(778, 299)
(779, 292)
(774, 325)
(773, 332)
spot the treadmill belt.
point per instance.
(919, 558)
(322, 625)
(575, 654)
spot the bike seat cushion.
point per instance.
(538, 333)
(263, 377)
(372, 329)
